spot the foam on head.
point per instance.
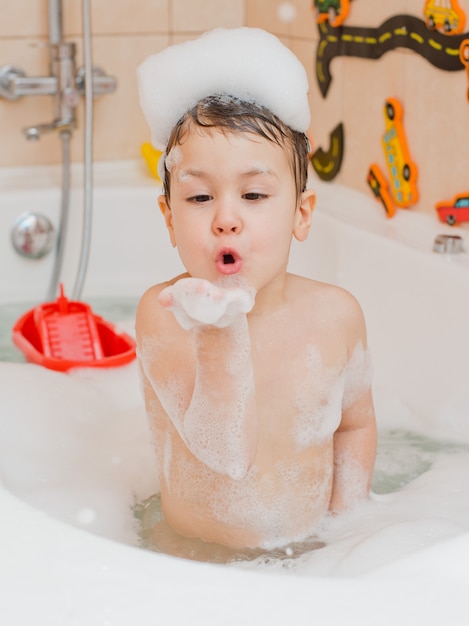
(174, 158)
(248, 63)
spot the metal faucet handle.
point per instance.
(8, 74)
(102, 82)
(34, 133)
(14, 83)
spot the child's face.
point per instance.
(233, 207)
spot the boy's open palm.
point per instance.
(197, 302)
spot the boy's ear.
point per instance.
(303, 215)
(168, 218)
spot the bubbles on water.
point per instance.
(78, 447)
(156, 535)
(406, 515)
(403, 456)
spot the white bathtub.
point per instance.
(417, 309)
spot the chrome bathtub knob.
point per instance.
(32, 235)
(448, 244)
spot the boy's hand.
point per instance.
(197, 302)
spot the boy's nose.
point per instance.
(226, 220)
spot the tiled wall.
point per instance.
(124, 33)
(436, 111)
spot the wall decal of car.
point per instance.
(464, 58)
(454, 211)
(379, 186)
(444, 15)
(401, 188)
(401, 169)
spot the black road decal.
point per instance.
(399, 31)
(327, 164)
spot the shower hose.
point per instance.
(88, 177)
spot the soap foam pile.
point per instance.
(78, 447)
(241, 62)
(429, 502)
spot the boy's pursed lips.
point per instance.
(228, 260)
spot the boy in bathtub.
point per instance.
(256, 381)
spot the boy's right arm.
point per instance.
(203, 379)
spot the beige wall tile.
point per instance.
(125, 16)
(366, 85)
(289, 18)
(202, 15)
(437, 121)
(14, 149)
(374, 12)
(435, 106)
(264, 15)
(22, 18)
(304, 24)
(119, 126)
(436, 113)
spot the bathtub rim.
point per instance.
(101, 568)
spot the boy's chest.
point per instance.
(285, 353)
(299, 385)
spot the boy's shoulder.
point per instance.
(149, 310)
(152, 292)
(148, 301)
(330, 302)
(315, 289)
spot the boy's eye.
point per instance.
(202, 197)
(253, 195)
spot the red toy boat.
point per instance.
(64, 334)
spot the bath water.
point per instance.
(78, 447)
(411, 506)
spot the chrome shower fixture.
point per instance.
(65, 83)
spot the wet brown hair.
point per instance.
(232, 115)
